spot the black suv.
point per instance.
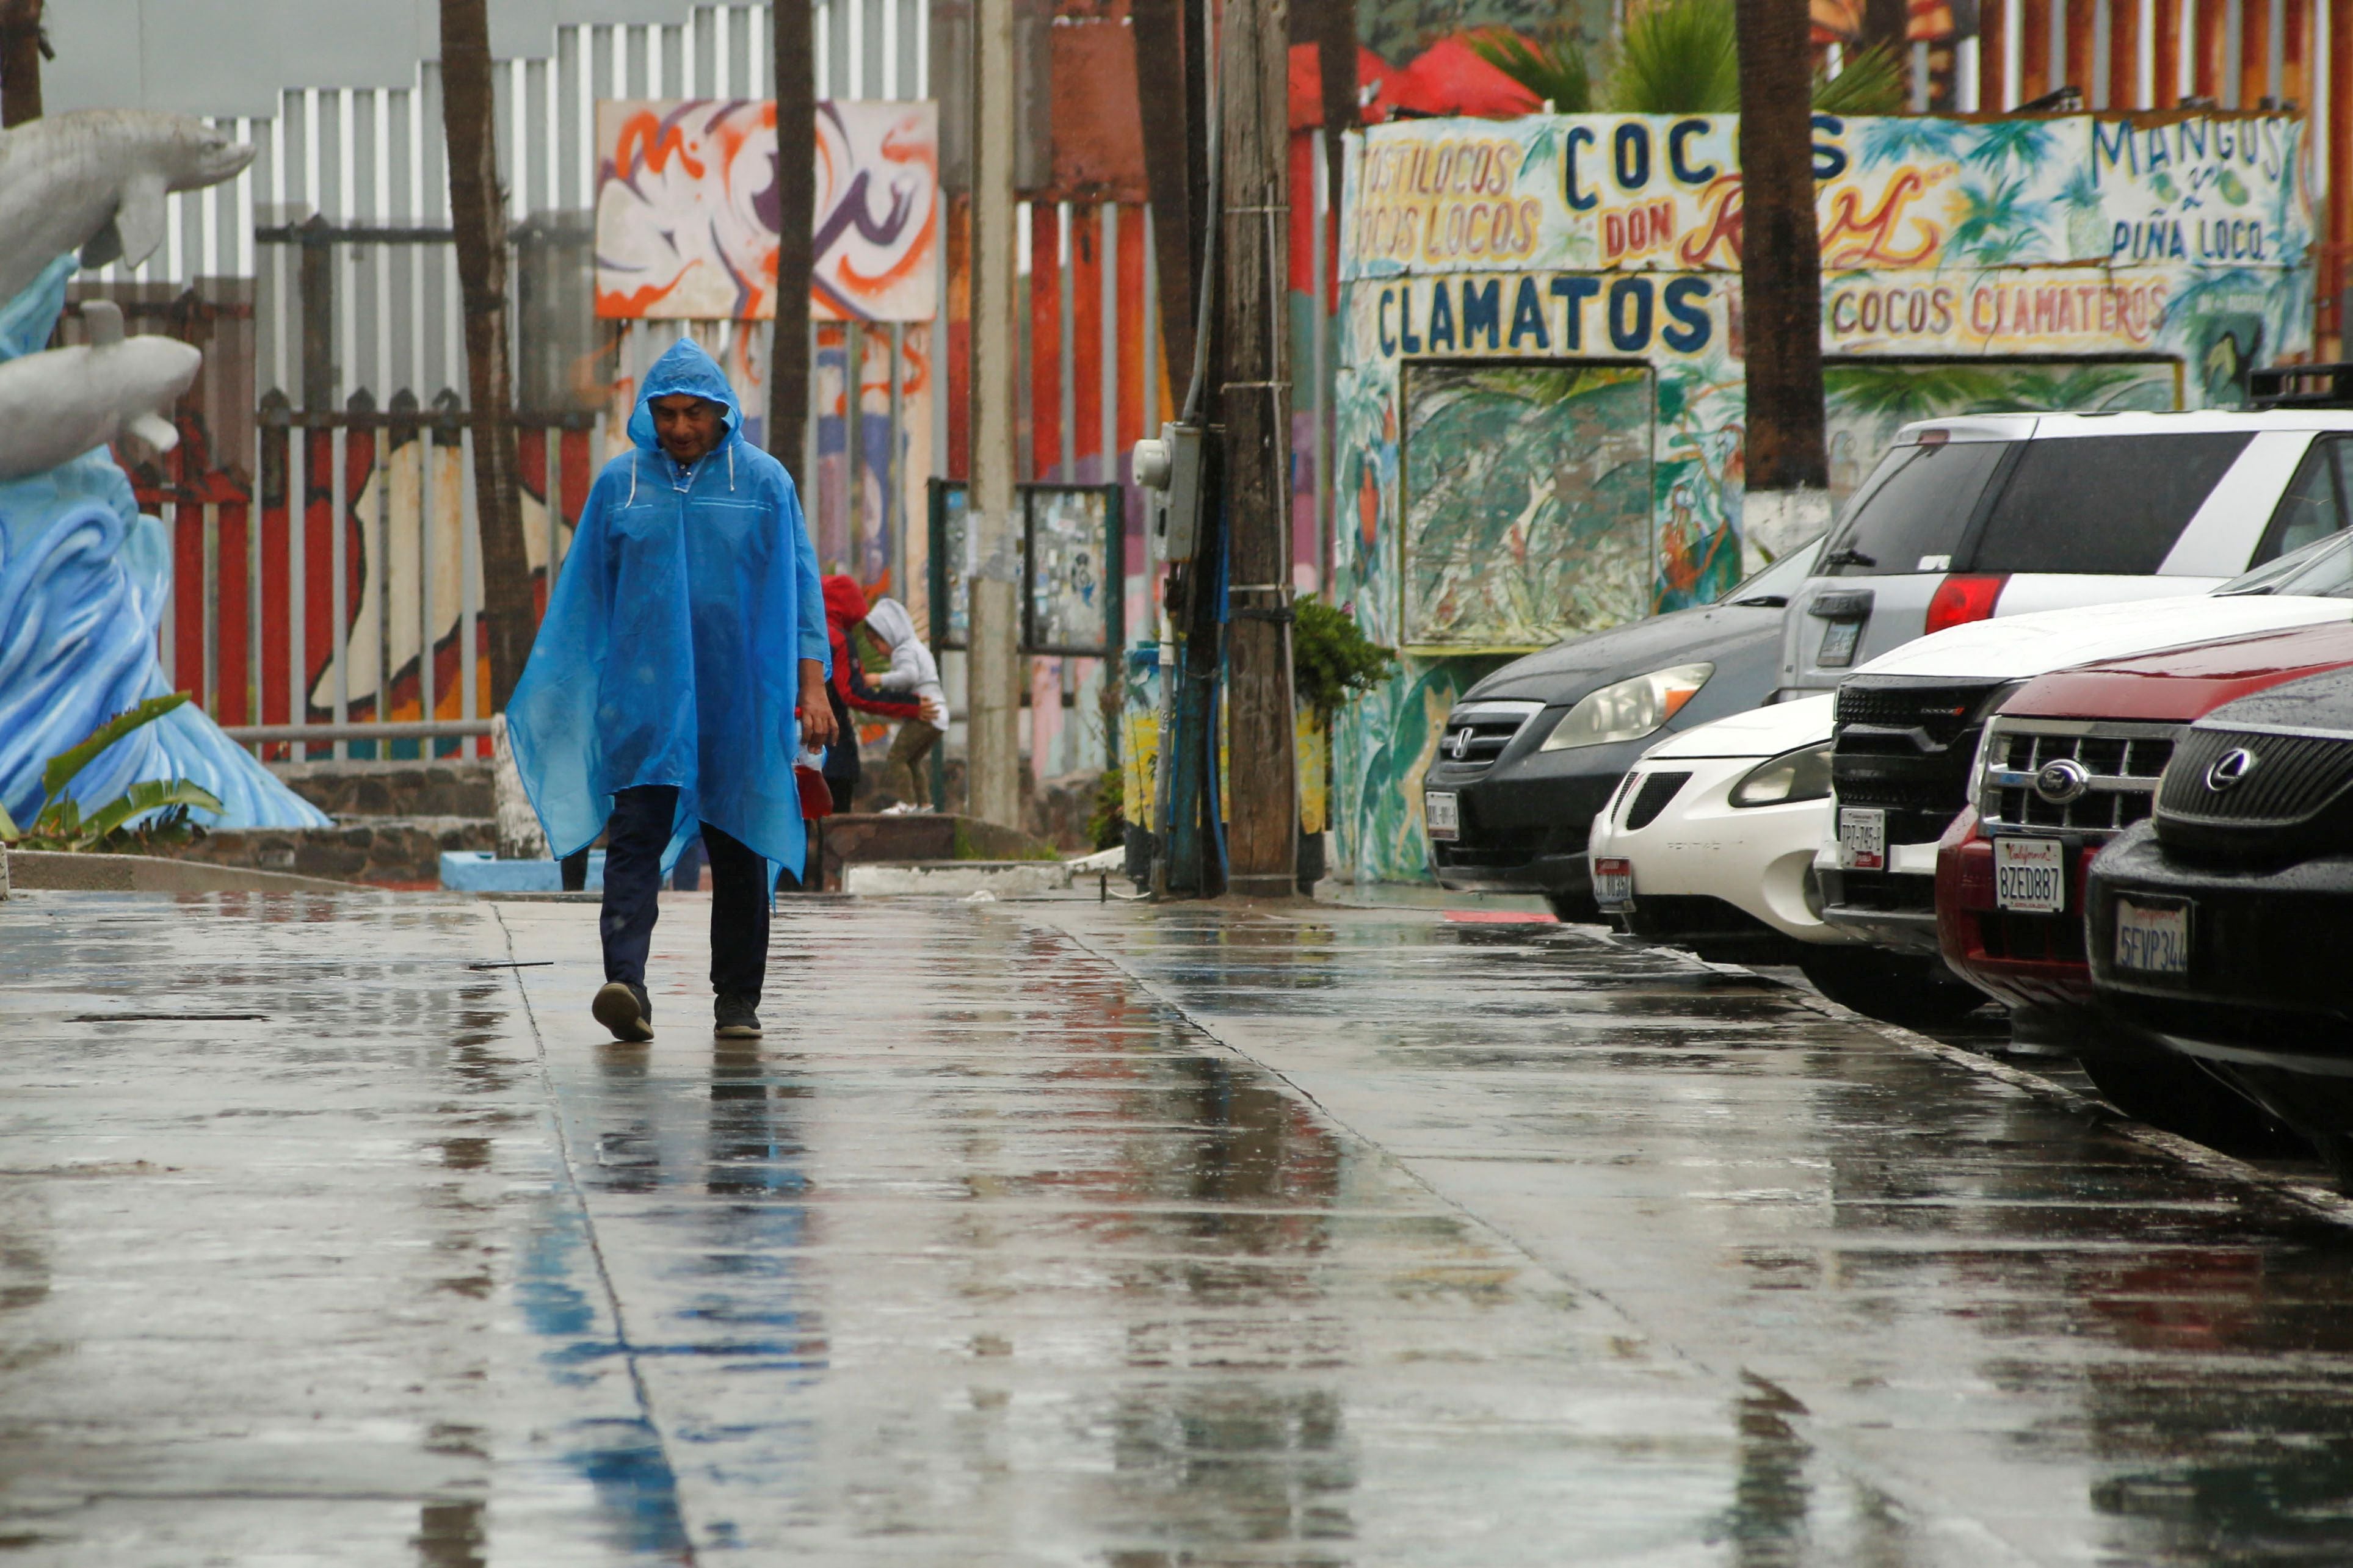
(2219, 929)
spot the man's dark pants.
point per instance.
(633, 841)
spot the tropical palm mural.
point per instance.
(1865, 403)
(1528, 502)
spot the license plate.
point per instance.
(2152, 939)
(1613, 883)
(1837, 644)
(1863, 838)
(2030, 875)
(1439, 809)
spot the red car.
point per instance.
(2071, 760)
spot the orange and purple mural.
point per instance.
(687, 210)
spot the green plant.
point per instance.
(1107, 825)
(1677, 57)
(1331, 657)
(1551, 66)
(61, 824)
(1870, 83)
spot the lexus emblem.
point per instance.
(2062, 781)
(1461, 747)
(2229, 768)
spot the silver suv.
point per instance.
(2002, 514)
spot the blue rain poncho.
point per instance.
(671, 651)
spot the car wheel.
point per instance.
(2181, 1097)
(1576, 908)
(1894, 987)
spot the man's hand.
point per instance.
(816, 707)
(934, 713)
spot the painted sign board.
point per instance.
(687, 210)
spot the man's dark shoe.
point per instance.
(737, 1019)
(626, 1010)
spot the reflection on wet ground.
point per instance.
(2039, 1340)
(1053, 1232)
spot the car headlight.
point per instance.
(1628, 710)
(1791, 776)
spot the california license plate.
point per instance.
(1837, 644)
(1613, 882)
(2030, 875)
(2152, 939)
(1863, 838)
(1440, 810)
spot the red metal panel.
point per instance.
(1045, 341)
(2034, 52)
(1087, 334)
(2123, 54)
(319, 628)
(187, 524)
(359, 465)
(1134, 333)
(233, 624)
(276, 604)
(2254, 54)
(958, 386)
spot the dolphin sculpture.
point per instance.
(94, 180)
(56, 405)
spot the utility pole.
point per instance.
(1788, 498)
(478, 219)
(22, 48)
(1254, 406)
(992, 786)
(788, 355)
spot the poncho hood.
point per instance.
(671, 649)
(684, 367)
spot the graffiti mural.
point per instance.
(1528, 502)
(1508, 285)
(687, 210)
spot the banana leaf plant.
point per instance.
(164, 803)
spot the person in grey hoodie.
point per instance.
(914, 671)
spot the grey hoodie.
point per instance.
(913, 668)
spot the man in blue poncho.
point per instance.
(682, 661)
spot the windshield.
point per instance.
(1777, 582)
(1910, 515)
(2323, 570)
(2110, 504)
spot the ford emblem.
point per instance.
(2062, 781)
(1461, 746)
(2229, 768)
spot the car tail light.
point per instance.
(1965, 597)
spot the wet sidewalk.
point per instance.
(332, 1229)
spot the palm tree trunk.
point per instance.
(21, 50)
(478, 215)
(789, 366)
(1780, 282)
(1161, 78)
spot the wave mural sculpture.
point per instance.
(84, 577)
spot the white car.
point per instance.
(1710, 839)
(1692, 879)
(1990, 515)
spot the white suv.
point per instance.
(2004, 514)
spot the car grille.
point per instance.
(1906, 746)
(1652, 798)
(1493, 849)
(2120, 761)
(2293, 776)
(1477, 733)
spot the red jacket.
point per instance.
(845, 606)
